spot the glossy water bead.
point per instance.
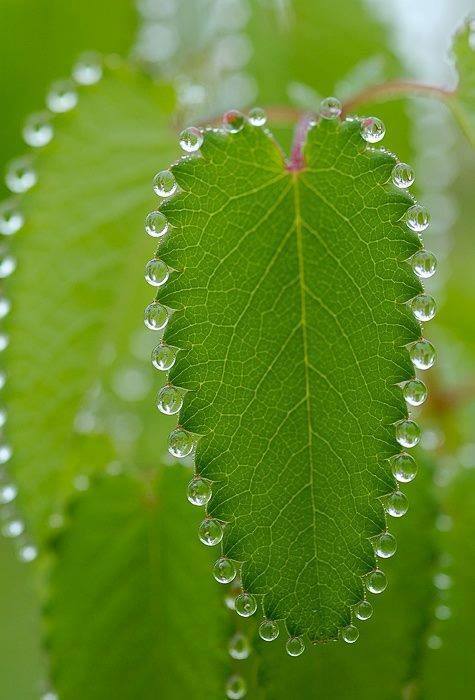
(4, 341)
(169, 400)
(88, 69)
(423, 307)
(422, 354)
(376, 581)
(239, 647)
(350, 634)
(396, 504)
(21, 175)
(8, 493)
(245, 605)
(13, 528)
(163, 357)
(364, 610)
(11, 219)
(402, 175)
(5, 453)
(330, 108)
(224, 570)
(180, 443)
(385, 545)
(164, 183)
(415, 392)
(295, 646)
(156, 224)
(5, 307)
(38, 130)
(27, 552)
(62, 96)
(404, 468)
(210, 532)
(199, 491)
(233, 121)
(155, 316)
(408, 433)
(417, 218)
(156, 272)
(372, 129)
(191, 139)
(257, 116)
(424, 263)
(268, 630)
(236, 687)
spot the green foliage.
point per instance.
(462, 102)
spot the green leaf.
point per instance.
(290, 312)
(76, 291)
(462, 102)
(133, 601)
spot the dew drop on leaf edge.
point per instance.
(224, 570)
(408, 433)
(199, 491)
(169, 400)
(245, 604)
(191, 139)
(403, 467)
(330, 108)
(268, 630)
(350, 634)
(210, 532)
(376, 581)
(180, 443)
(396, 504)
(295, 646)
(422, 354)
(372, 129)
(164, 183)
(385, 545)
(163, 357)
(364, 610)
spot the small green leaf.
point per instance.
(290, 313)
(462, 102)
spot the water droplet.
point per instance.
(372, 129)
(38, 130)
(156, 316)
(268, 630)
(376, 581)
(5, 453)
(330, 108)
(423, 307)
(415, 392)
(13, 528)
(408, 433)
(169, 400)
(163, 357)
(88, 69)
(385, 545)
(5, 307)
(245, 605)
(11, 219)
(4, 340)
(21, 176)
(404, 467)
(27, 553)
(239, 647)
(417, 218)
(295, 646)
(434, 642)
(191, 139)
(8, 493)
(402, 175)
(62, 96)
(424, 263)
(350, 634)
(7, 266)
(442, 581)
(180, 443)
(156, 224)
(164, 183)
(443, 612)
(236, 687)
(210, 532)
(233, 121)
(156, 272)
(199, 491)
(396, 504)
(224, 570)
(422, 354)
(364, 610)
(257, 116)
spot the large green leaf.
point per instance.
(290, 312)
(462, 102)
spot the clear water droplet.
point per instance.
(62, 96)
(7, 266)
(403, 175)
(350, 634)
(434, 642)
(422, 354)
(5, 453)
(245, 605)
(88, 69)
(4, 341)
(156, 224)
(415, 392)
(11, 219)
(164, 183)
(233, 121)
(423, 307)
(180, 443)
(442, 581)
(38, 130)
(27, 552)
(210, 532)
(404, 468)
(239, 646)
(424, 263)
(330, 108)
(257, 116)
(268, 630)
(364, 610)
(8, 493)
(13, 528)
(376, 581)
(408, 433)
(156, 272)
(163, 357)
(396, 504)
(21, 175)
(372, 129)
(5, 307)
(295, 646)
(199, 491)
(443, 612)
(156, 316)
(236, 687)
(191, 139)
(417, 218)
(169, 400)
(385, 545)
(224, 570)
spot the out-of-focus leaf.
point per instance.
(462, 102)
